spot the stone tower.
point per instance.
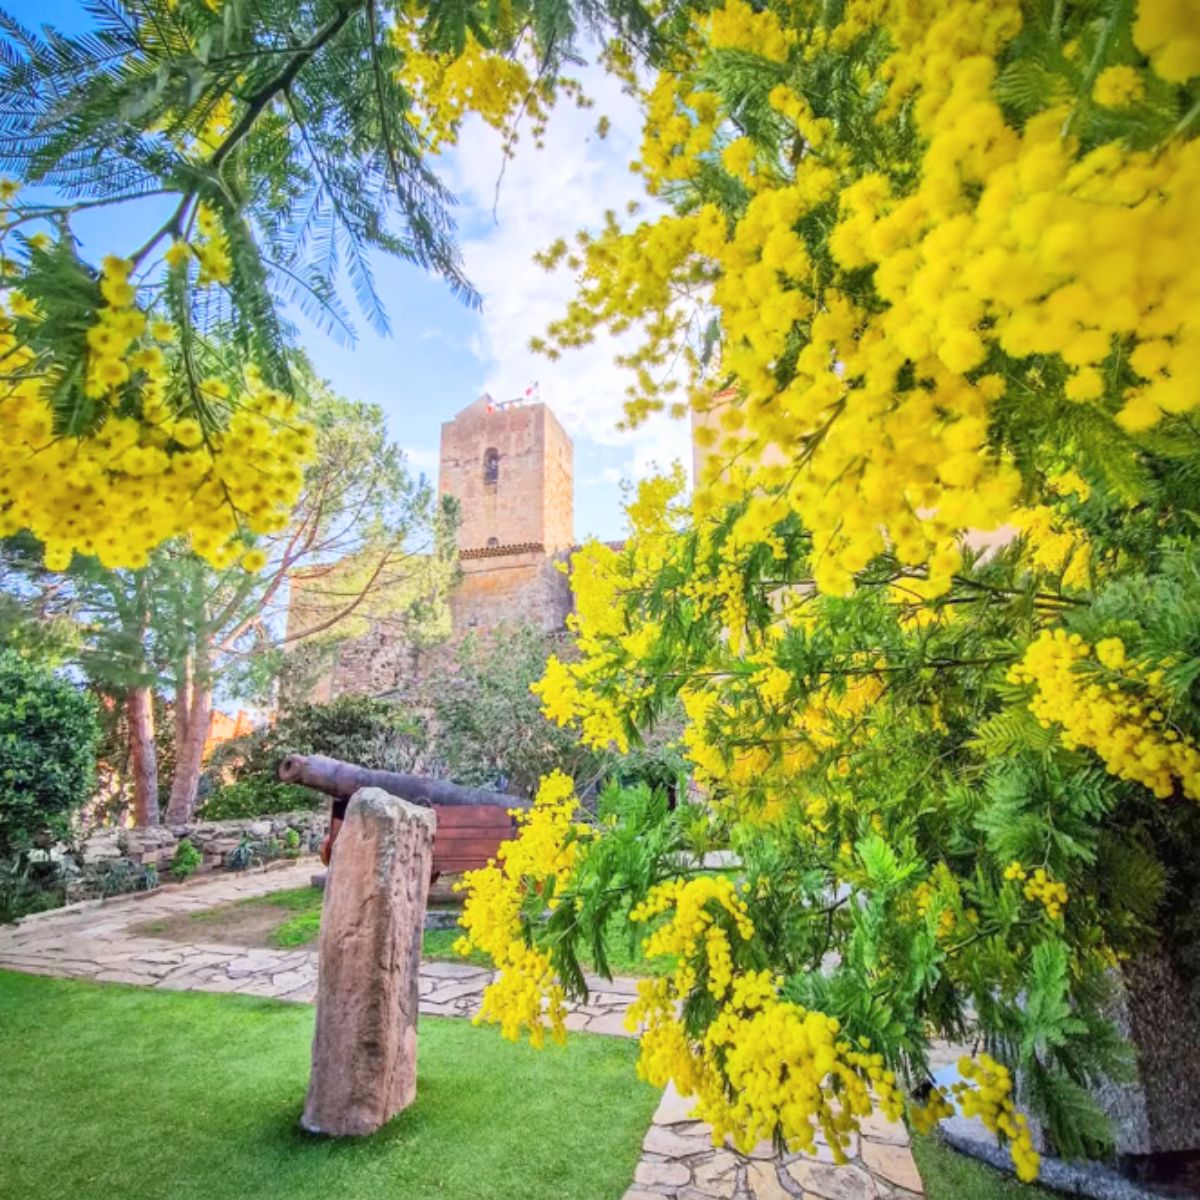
(511, 468)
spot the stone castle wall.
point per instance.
(520, 587)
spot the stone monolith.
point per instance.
(364, 1059)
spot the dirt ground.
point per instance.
(235, 924)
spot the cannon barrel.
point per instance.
(343, 779)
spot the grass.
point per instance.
(949, 1175)
(139, 1094)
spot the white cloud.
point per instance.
(545, 195)
(423, 459)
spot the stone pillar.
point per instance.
(364, 1061)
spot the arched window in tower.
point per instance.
(491, 466)
(493, 541)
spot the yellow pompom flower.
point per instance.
(1116, 87)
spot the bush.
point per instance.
(256, 797)
(29, 887)
(359, 729)
(119, 878)
(48, 735)
(489, 730)
(187, 858)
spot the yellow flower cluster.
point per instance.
(118, 324)
(693, 926)
(493, 81)
(1113, 709)
(924, 897)
(1118, 86)
(1007, 248)
(1040, 887)
(1055, 544)
(211, 248)
(986, 1091)
(764, 1066)
(924, 1117)
(526, 995)
(1168, 32)
(146, 472)
(600, 578)
(1051, 894)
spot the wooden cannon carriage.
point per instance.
(471, 822)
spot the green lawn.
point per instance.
(949, 1175)
(115, 1093)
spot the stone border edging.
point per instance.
(158, 890)
(1091, 1179)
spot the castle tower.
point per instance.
(511, 468)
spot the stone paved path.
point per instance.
(94, 941)
(680, 1162)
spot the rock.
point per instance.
(878, 1128)
(717, 1176)
(99, 849)
(261, 829)
(665, 1174)
(673, 1145)
(764, 1184)
(613, 1024)
(893, 1163)
(833, 1183)
(364, 1060)
(673, 1109)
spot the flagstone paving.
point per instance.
(95, 941)
(680, 1162)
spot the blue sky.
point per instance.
(441, 355)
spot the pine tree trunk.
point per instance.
(183, 701)
(189, 759)
(139, 715)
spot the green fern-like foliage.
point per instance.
(317, 171)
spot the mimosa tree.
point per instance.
(924, 277)
(149, 396)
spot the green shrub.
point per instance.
(187, 858)
(48, 736)
(242, 856)
(120, 877)
(256, 797)
(27, 887)
(291, 843)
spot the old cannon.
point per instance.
(471, 822)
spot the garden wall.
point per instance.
(120, 860)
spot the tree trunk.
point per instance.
(191, 754)
(139, 715)
(183, 702)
